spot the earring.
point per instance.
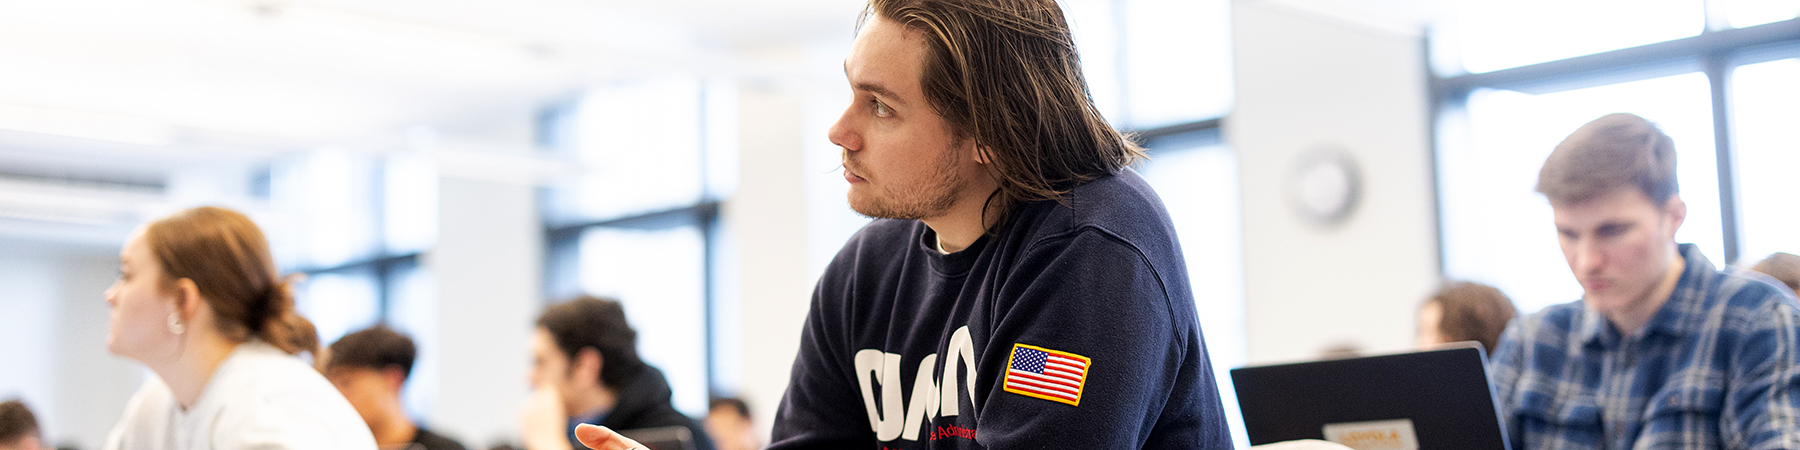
(175, 325)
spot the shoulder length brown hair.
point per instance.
(1005, 73)
(228, 259)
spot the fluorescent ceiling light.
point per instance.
(85, 125)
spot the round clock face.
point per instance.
(1325, 185)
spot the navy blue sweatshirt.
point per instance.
(1071, 326)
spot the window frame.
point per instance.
(562, 278)
(1714, 52)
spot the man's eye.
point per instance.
(881, 109)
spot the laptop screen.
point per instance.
(662, 438)
(1436, 399)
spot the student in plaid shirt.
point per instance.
(1663, 350)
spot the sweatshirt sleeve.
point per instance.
(298, 413)
(1091, 349)
(821, 408)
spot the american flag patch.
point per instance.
(1047, 374)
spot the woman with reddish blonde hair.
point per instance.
(199, 302)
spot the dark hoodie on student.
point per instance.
(643, 403)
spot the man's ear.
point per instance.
(983, 155)
(1675, 211)
(587, 364)
(394, 377)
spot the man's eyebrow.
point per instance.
(876, 88)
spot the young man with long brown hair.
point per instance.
(1020, 286)
(1663, 350)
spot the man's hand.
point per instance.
(541, 423)
(603, 438)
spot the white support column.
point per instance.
(769, 217)
(488, 264)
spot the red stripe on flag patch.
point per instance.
(1052, 375)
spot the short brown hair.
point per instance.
(1782, 266)
(1473, 312)
(597, 323)
(1616, 150)
(377, 347)
(228, 259)
(16, 422)
(1005, 73)
(733, 404)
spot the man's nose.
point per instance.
(1589, 257)
(842, 134)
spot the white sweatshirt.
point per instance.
(260, 398)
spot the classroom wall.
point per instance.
(93, 384)
(1305, 80)
(54, 330)
(769, 215)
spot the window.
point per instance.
(641, 225)
(1177, 62)
(1766, 105)
(1155, 63)
(350, 221)
(355, 224)
(1489, 35)
(330, 206)
(1749, 13)
(659, 274)
(1726, 97)
(641, 143)
(412, 308)
(340, 302)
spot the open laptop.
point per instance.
(662, 438)
(1435, 399)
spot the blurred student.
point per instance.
(370, 367)
(199, 302)
(1784, 267)
(1341, 349)
(585, 370)
(1465, 311)
(1663, 350)
(728, 423)
(19, 427)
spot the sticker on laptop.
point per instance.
(1394, 434)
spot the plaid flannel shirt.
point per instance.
(1717, 367)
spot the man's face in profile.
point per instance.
(730, 430)
(902, 159)
(24, 443)
(550, 367)
(1618, 246)
(367, 388)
